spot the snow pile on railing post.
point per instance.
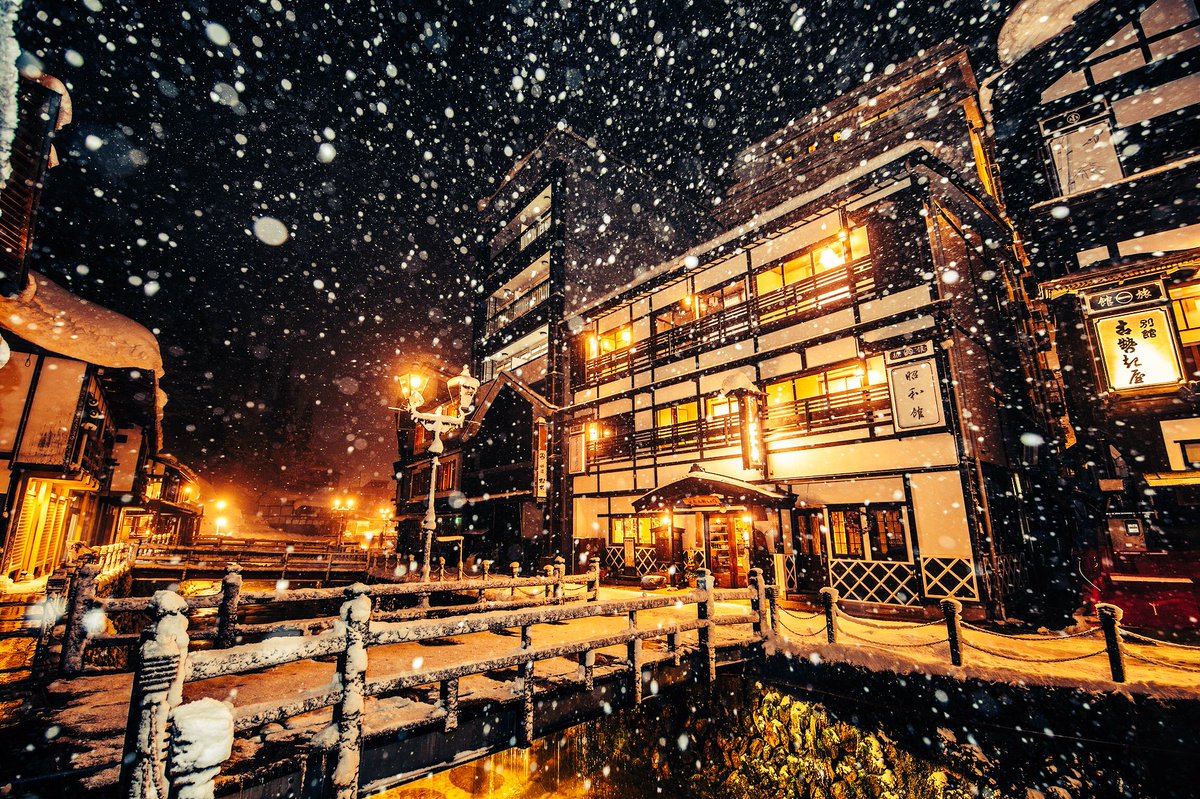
(201, 740)
(83, 595)
(157, 688)
(352, 676)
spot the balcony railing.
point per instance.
(518, 308)
(805, 299)
(689, 436)
(859, 407)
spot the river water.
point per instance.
(755, 741)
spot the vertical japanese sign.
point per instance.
(916, 395)
(541, 449)
(753, 450)
(1138, 350)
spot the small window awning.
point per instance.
(699, 483)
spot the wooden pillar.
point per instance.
(231, 589)
(829, 600)
(157, 688)
(952, 610)
(587, 670)
(705, 611)
(352, 673)
(635, 659)
(449, 700)
(1110, 623)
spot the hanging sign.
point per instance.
(1138, 350)
(750, 417)
(1124, 297)
(541, 466)
(916, 395)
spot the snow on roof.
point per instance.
(9, 50)
(53, 318)
(1033, 23)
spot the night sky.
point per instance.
(371, 130)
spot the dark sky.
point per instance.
(370, 130)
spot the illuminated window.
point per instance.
(615, 340)
(829, 254)
(846, 532)
(675, 415)
(637, 528)
(830, 381)
(879, 527)
(1185, 303)
(719, 407)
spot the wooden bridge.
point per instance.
(297, 564)
(402, 694)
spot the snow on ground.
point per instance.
(1018, 660)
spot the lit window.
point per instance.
(830, 254)
(614, 340)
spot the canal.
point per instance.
(754, 738)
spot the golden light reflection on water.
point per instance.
(537, 773)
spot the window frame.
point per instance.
(871, 538)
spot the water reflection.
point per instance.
(749, 741)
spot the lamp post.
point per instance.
(437, 422)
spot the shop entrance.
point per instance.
(728, 538)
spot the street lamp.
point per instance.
(436, 422)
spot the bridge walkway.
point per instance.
(91, 711)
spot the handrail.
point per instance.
(165, 662)
(808, 298)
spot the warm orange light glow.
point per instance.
(746, 519)
(220, 504)
(831, 256)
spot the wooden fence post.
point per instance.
(549, 573)
(157, 688)
(773, 605)
(449, 699)
(593, 582)
(560, 574)
(1110, 623)
(201, 740)
(952, 609)
(231, 590)
(758, 602)
(705, 611)
(516, 572)
(83, 594)
(635, 659)
(587, 669)
(829, 600)
(352, 673)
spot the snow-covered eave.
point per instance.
(1122, 272)
(55, 320)
(1030, 58)
(759, 221)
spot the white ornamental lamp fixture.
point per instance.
(437, 422)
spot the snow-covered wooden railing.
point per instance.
(89, 615)
(165, 664)
(961, 638)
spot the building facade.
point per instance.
(80, 404)
(834, 388)
(1096, 122)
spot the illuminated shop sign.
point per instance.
(1138, 350)
(752, 432)
(916, 396)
